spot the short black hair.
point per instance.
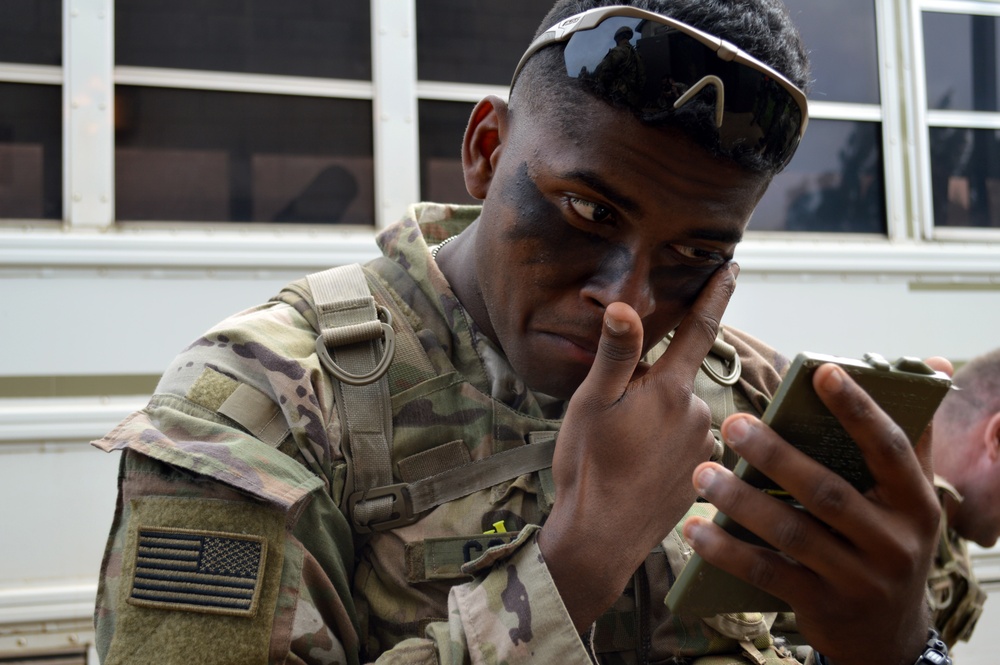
(978, 383)
(762, 28)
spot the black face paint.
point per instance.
(681, 283)
(542, 223)
(537, 218)
(549, 239)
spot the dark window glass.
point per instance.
(218, 156)
(291, 37)
(965, 176)
(840, 39)
(474, 41)
(30, 151)
(835, 183)
(961, 56)
(442, 126)
(31, 31)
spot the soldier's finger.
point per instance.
(699, 327)
(884, 445)
(789, 529)
(618, 354)
(767, 569)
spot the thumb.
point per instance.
(618, 353)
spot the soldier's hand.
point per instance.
(630, 440)
(854, 567)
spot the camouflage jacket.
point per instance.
(955, 597)
(230, 545)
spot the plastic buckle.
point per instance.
(388, 339)
(402, 507)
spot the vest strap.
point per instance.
(350, 347)
(469, 478)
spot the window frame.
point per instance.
(926, 118)
(88, 34)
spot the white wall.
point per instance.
(850, 315)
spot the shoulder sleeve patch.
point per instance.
(198, 571)
(199, 576)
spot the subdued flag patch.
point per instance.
(198, 571)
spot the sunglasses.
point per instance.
(654, 65)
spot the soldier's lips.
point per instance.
(569, 347)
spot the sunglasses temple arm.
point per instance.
(543, 40)
(720, 95)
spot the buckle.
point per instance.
(389, 350)
(402, 507)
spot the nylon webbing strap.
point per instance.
(353, 336)
(719, 372)
(721, 404)
(464, 480)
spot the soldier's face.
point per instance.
(599, 209)
(978, 516)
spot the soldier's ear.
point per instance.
(483, 143)
(991, 436)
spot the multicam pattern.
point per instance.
(428, 592)
(954, 594)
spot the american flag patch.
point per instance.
(198, 571)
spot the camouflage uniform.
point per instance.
(954, 594)
(233, 476)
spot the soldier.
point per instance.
(966, 465)
(619, 76)
(487, 453)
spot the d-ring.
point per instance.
(389, 350)
(724, 379)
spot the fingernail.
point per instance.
(693, 530)
(617, 327)
(735, 267)
(736, 432)
(703, 479)
(834, 380)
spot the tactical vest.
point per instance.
(437, 472)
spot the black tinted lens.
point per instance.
(648, 66)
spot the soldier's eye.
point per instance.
(593, 212)
(698, 256)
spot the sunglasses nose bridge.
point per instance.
(720, 95)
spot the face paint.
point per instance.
(631, 214)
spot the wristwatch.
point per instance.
(935, 652)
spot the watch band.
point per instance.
(935, 652)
